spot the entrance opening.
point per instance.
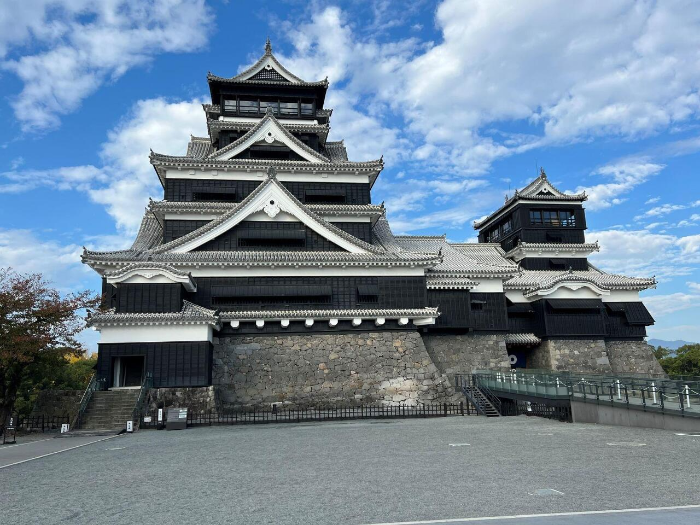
(128, 371)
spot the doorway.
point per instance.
(128, 371)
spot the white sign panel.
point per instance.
(129, 426)
(64, 428)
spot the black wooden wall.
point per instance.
(453, 306)
(149, 298)
(172, 364)
(582, 318)
(236, 190)
(392, 292)
(174, 229)
(523, 230)
(555, 263)
(272, 236)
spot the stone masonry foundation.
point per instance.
(574, 355)
(195, 399)
(635, 357)
(462, 354)
(327, 369)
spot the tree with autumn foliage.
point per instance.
(36, 324)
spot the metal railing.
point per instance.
(681, 396)
(84, 401)
(471, 391)
(292, 415)
(146, 385)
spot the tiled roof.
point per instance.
(160, 207)
(215, 78)
(190, 314)
(269, 117)
(217, 125)
(382, 236)
(336, 151)
(199, 147)
(531, 281)
(539, 190)
(534, 247)
(228, 215)
(462, 260)
(329, 314)
(146, 266)
(447, 283)
(522, 339)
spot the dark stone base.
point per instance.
(390, 368)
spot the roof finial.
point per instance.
(543, 175)
(271, 172)
(268, 46)
(269, 111)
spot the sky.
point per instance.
(465, 100)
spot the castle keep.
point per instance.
(267, 275)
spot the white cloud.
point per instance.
(571, 71)
(695, 287)
(625, 175)
(653, 200)
(75, 46)
(126, 179)
(23, 251)
(661, 305)
(643, 253)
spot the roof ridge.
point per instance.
(269, 117)
(271, 180)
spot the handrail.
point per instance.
(493, 398)
(146, 385)
(645, 393)
(463, 386)
(87, 395)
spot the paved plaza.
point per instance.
(359, 472)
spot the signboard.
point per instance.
(147, 419)
(64, 428)
(160, 415)
(177, 419)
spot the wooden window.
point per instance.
(230, 105)
(289, 108)
(307, 108)
(247, 106)
(274, 104)
(553, 218)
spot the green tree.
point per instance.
(53, 371)
(37, 326)
(686, 361)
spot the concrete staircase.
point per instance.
(110, 409)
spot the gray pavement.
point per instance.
(35, 449)
(364, 472)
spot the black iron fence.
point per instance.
(293, 415)
(40, 423)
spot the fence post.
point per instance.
(619, 394)
(687, 396)
(445, 407)
(461, 407)
(653, 392)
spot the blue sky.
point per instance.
(464, 98)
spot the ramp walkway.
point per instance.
(672, 403)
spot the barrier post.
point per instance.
(619, 394)
(687, 396)
(653, 392)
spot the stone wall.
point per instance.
(462, 354)
(633, 357)
(574, 355)
(195, 399)
(57, 403)
(326, 370)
